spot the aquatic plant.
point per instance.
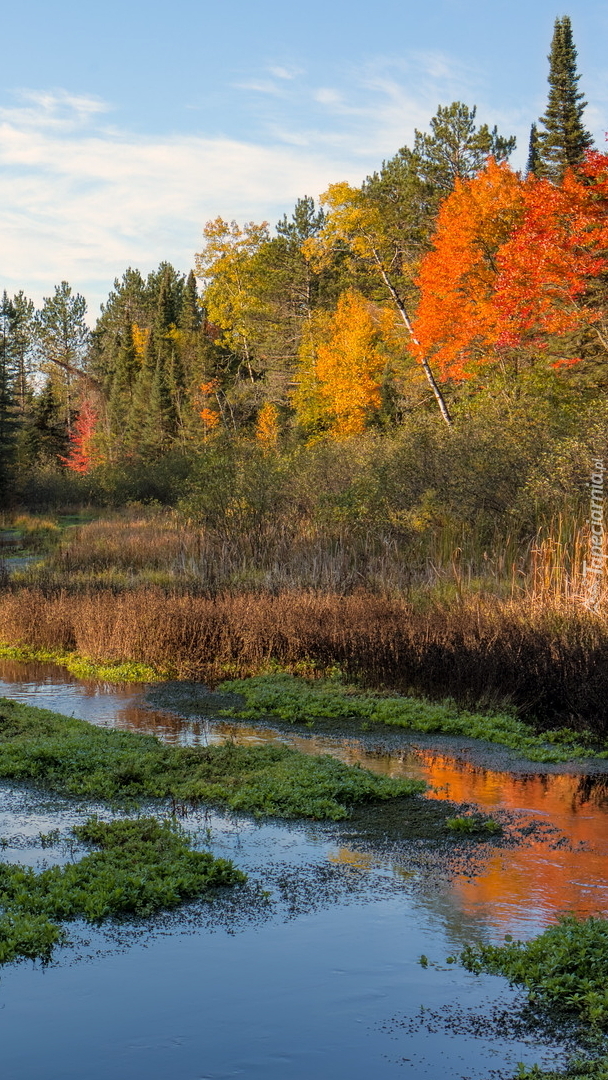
(564, 969)
(300, 701)
(73, 757)
(141, 866)
(473, 823)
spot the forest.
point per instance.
(387, 407)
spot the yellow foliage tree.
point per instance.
(267, 427)
(349, 365)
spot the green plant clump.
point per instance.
(301, 701)
(565, 969)
(83, 668)
(471, 823)
(142, 866)
(576, 1070)
(75, 758)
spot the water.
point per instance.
(322, 980)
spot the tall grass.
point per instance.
(548, 661)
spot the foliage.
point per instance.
(142, 866)
(565, 969)
(72, 757)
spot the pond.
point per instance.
(313, 970)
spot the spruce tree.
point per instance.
(564, 140)
(533, 164)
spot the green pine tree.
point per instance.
(564, 139)
(533, 164)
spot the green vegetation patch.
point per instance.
(577, 1070)
(75, 758)
(82, 667)
(565, 969)
(303, 701)
(142, 866)
(473, 824)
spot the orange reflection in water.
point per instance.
(545, 876)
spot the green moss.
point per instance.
(565, 969)
(83, 668)
(142, 866)
(302, 701)
(75, 758)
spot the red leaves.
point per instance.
(512, 262)
(80, 457)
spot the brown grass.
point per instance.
(551, 662)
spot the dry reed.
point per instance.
(548, 661)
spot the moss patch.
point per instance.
(75, 758)
(142, 866)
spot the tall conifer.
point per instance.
(564, 140)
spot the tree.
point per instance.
(512, 265)
(355, 222)
(80, 458)
(63, 338)
(456, 149)
(533, 164)
(564, 139)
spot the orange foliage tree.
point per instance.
(512, 262)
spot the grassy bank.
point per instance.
(304, 701)
(548, 663)
(141, 866)
(82, 667)
(74, 758)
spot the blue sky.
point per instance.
(125, 126)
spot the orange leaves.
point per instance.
(81, 456)
(511, 263)
(457, 278)
(267, 427)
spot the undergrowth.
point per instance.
(73, 757)
(302, 701)
(141, 866)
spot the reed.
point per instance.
(547, 660)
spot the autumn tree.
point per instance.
(511, 265)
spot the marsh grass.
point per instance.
(304, 701)
(141, 866)
(74, 758)
(545, 662)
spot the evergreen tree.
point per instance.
(456, 148)
(533, 164)
(564, 140)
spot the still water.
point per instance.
(321, 979)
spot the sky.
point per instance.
(125, 126)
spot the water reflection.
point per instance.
(525, 885)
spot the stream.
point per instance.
(313, 973)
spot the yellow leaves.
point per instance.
(140, 340)
(343, 371)
(350, 220)
(267, 427)
(227, 263)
